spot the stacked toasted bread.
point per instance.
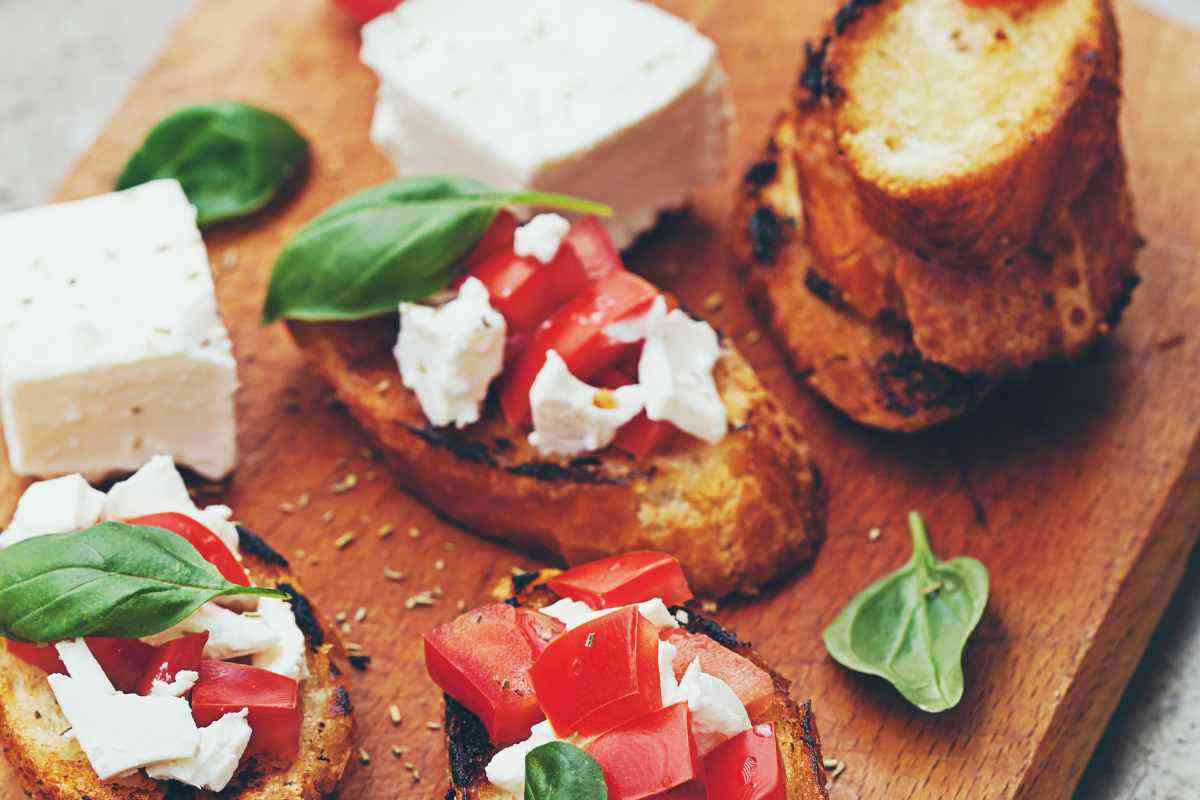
(945, 204)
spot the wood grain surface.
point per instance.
(1080, 488)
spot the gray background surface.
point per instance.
(64, 66)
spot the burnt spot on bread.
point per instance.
(551, 472)
(360, 662)
(468, 744)
(761, 174)
(815, 78)
(1124, 297)
(848, 14)
(340, 704)
(174, 791)
(812, 742)
(710, 628)
(766, 234)
(306, 618)
(252, 544)
(448, 439)
(522, 580)
(824, 290)
(910, 384)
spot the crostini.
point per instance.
(240, 698)
(647, 673)
(556, 401)
(916, 235)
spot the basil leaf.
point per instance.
(391, 243)
(561, 771)
(910, 627)
(232, 159)
(112, 579)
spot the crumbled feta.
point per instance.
(450, 355)
(666, 673)
(656, 611)
(158, 488)
(185, 681)
(111, 345)
(222, 744)
(230, 635)
(571, 613)
(570, 416)
(81, 665)
(541, 237)
(507, 767)
(676, 369)
(287, 656)
(638, 132)
(717, 713)
(54, 506)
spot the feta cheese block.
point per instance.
(612, 100)
(717, 713)
(570, 416)
(212, 767)
(111, 347)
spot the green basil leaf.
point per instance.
(112, 579)
(910, 627)
(231, 159)
(395, 242)
(561, 771)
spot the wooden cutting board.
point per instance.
(1080, 489)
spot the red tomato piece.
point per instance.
(599, 675)
(576, 332)
(591, 241)
(497, 240)
(124, 661)
(363, 11)
(273, 700)
(648, 755)
(169, 659)
(42, 656)
(207, 543)
(641, 436)
(482, 659)
(747, 767)
(749, 682)
(525, 290)
(625, 579)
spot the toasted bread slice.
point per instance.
(52, 768)
(967, 129)
(736, 514)
(795, 726)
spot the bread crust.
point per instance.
(737, 514)
(985, 209)
(52, 768)
(470, 749)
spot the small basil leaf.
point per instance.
(910, 627)
(231, 159)
(392, 243)
(561, 771)
(112, 579)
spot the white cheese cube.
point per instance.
(81, 665)
(111, 347)
(717, 713)
(612, 100)
(212, 767)
(59, 505)
(450, 355)
(571, 613)
(506, 769)
(570, 416)
(121, 732)
(287, 656)
(230, 635)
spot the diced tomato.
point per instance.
(525, 290)
(576, 332)
(42, 656)
(172, 658)
(648, 755)
(273, 700)
(497, 240)
(625, 579)
(692, 790)
(363, 11)
(641, 436)
(483, 658)
(749, 682)
(124, 661)
(595, 248)
(747, 767)
(599, 675)
(207, 543)
(514, 344)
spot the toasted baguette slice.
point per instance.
(736, 514)
(795, 726)
(52, 768)
(968, 129)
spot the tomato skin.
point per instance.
(749, 682)
(124, 661)
(576, 332)
(42, 656)
(595, 248)
(496, 240)
(273, 700)
(173, 657)
(624, 579)
(747, 767)
(599, 675)
(649, 755)
(483, 658)
(641, 436)
(207, 543)
(525, 290)
(363, 11)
